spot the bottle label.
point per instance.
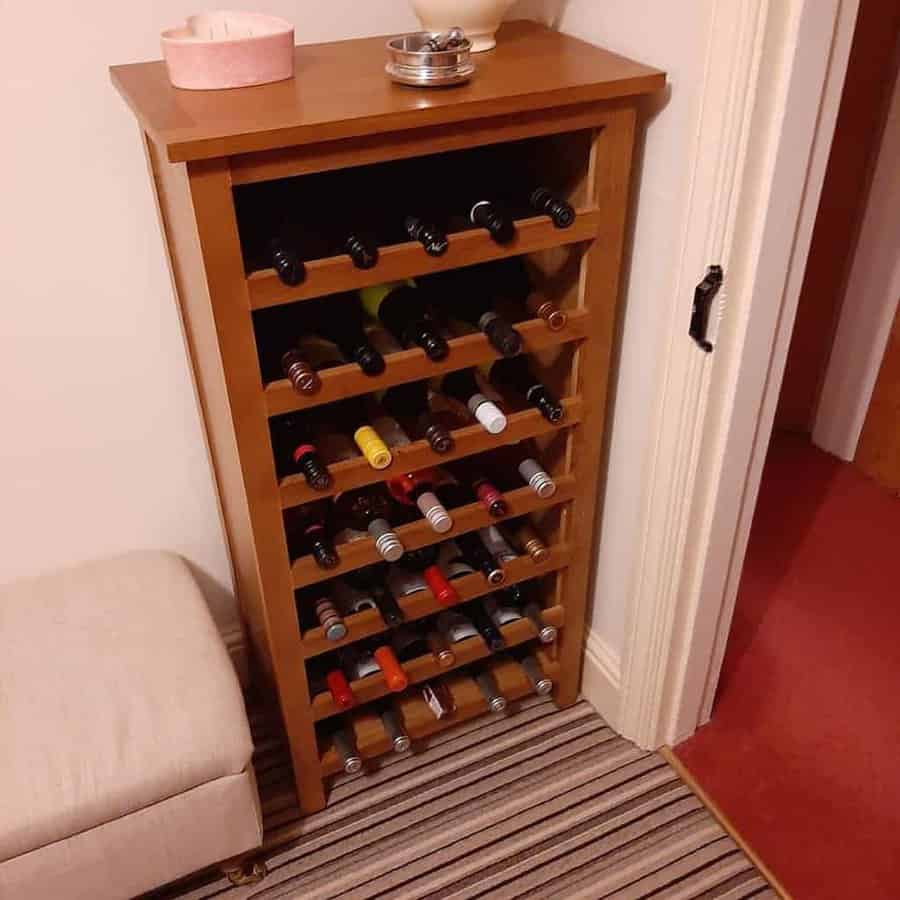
(390, 431)
(350, 599)
(404, 583)
(366, 665)
(433, 701)
(459, 630)
(493, 539)
(373, 295)
(450, 559)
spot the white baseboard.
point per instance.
(602, 678)
(233, 636)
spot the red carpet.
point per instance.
(803, 750)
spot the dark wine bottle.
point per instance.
(463, 294)
(417, 489)
(501, 611)
(496, 544)
(522, 458)
(317, 600)
(487, 684)
(548, 203)
(402, 308)
(307, 533)
(329, 677)
(509, 279)
(441, 649)
(515, 375)
(367, 509)
(345, 747)
(424, 560)
(284, 258)
(456, 627)
(428, 233)
(480, 558)
(529, 541)
(392, 723)
(409, 644)
(295, 448)
(471, 482)
(340, 320)
(367, 658)
(523, 597)
(408, 403)
(372, 582)
(463, 387)
(541, 683)
(489, 632)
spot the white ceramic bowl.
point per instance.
(480, 19)
(224, 49)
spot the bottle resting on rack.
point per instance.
(515, 375)
(523, 597)
(487, 628)
(371, 582)
(467, 483)
(522, 458)
(480, 558)
(340, 320)
(425, 561)
(350, 416)
(402, 308)
(393, 727)
(345, 747)
(408, 404)
(366, 510)
(529, 541)
(324, 608)
(509, 278)
(487, 684)
(463, 387)
(296, 451)
(307, 533)
(417, 489)
(540, 682)
(329, 678)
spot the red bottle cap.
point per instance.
(488, 494)
(443, 591)
(394, 676)
(302, 450)
(341, 692)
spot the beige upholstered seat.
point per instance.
(124, 745)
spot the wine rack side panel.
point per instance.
(197, 216)
(607, 185)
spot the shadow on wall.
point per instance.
(548, 12)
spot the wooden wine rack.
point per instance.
(575, 106)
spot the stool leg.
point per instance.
(241, 870)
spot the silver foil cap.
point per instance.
(535, 476)
(386, 541)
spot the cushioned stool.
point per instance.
(124, 744)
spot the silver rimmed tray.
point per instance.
(411, 61)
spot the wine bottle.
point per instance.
(440, 649)
(463, 387)
(393, 727)
(424, 560)
(345, 747)
(287, 352)
(366, 510)
(455, 627)
(350, 599)
(409, 644)
(521, 458)
(452, 562)
(330, 678)
(509, 279)
(339, 318)
(372, 582)
(402, 308)
(549, 203)
(367, 658)
(522, 595)
(296, 452)
(469, 482)
(541, 683)
(515, 375)
(284, 258)
(428, 233)
(351, 417)
(437, 696)
(488, 630)
(480, 558)
(497, 545)
(408, 403)
(462, 294)
(501, 613)
(417, 489)
(526, 537)
(488, 214)
(327, 614)
(487, 684)
(307, 534)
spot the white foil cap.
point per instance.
(488, 414)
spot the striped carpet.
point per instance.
(541, 803)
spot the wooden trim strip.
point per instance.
(418, 606)
(355, 473)
(411, 365)
(307, 159)
(400, 261)
(419, 721)
(361, 553)
(425, 667)
(668, 754)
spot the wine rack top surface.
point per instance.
(339, 91)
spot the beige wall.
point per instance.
(102, 448)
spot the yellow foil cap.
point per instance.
(373, 447)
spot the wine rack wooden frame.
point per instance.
(200, 145)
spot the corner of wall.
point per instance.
(601, 678)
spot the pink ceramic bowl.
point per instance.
(226, 49)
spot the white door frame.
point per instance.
(774, 74)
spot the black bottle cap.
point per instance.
(499, 225)
(435, 347)
(312, 467)
(439, 438)
(550, 408)
(324, 554)
(369, 359)
(561, 213)
(429, 235)
(287, 264)
(503, 337)
(362, 251)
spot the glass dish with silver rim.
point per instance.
(426, 59)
